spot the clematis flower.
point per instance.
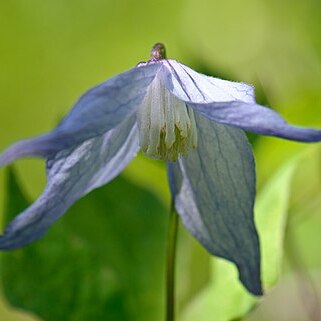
(168, 111)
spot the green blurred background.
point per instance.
(105, 259)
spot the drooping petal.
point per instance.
(73, 173)
(230, 103)
(257, 119)
(214, 190)
(96, 112)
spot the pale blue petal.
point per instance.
(97, 111)
(73, 173)
(214, 190)
(230, 103)
(191, 86)
(257, 119)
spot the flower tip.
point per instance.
(158, 52)
(257, 291)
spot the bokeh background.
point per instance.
(105, 259)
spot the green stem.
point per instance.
(170, 264)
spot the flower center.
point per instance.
(167, 128)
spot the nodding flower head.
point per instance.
(170, 112)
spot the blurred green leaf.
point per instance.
(8, 313)
(223, 299)
(303, 233)
(271, 211)
(103, 260)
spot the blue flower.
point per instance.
(172, 113)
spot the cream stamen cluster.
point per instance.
(167, 128)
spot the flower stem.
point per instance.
(170, 264)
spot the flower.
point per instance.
(172, 113)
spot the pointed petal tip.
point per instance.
(9, 244)
(254, 287)
(250, 276)
(40, 146)
(9, 155)
(14, 238)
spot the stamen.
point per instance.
(167, 128)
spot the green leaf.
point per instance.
(304, 237)
(223, 299)
(271, 216)
(8, 313)
(103, 260)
